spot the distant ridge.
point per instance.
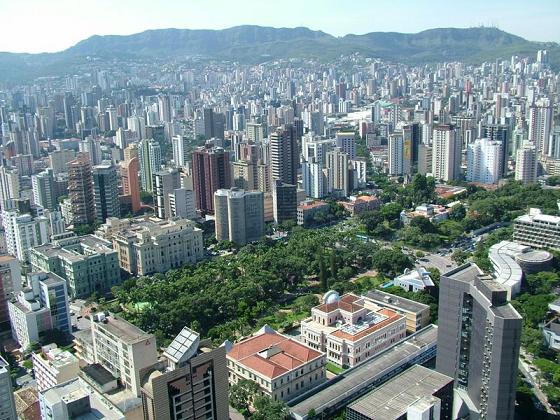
(254, 44)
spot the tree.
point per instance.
(334, 264)
(267, 409)
(391, 211)
(457, 212)
(459, 256)
(390, 262)
(323, 274)
(242, 394)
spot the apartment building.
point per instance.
(122, 349)
(10, 284)
(7, 403)
(349, 332)
(53, 366)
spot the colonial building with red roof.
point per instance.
(281, 366)
(350, 330)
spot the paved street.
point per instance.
(442, 263)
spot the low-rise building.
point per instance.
(551, 328)
(417, 314)
(87, 263)
(417, 393)
(414, 280)
(150, 245)
(361, 204)
(53, 366)
(281, 366)
(349, 332)
(307, 210)
(433, 212)
(76, 399)
(537, 230)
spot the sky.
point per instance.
(54, 25)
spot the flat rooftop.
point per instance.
(384, 298)
(339, 389)
(392, 399)
(123, 329)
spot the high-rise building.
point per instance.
(284, 155)
(540, 124)
(130, 182)
(39, 307)
(181, 203)
(424, 159)
(211, 171)
(106, 192)
(53, 366)
(315, 181)
(484, 161)
(7, 403)
(239, 215)
(397, 164)
(537, 230)
(164, 183)
(526, 164)
(44, 189)
(347, 142)
(10, 285)
(180, 150)
(123, 349)
(479, 335)
(80, 190)
(244, 175)
(149, 154)
(23, 233)
(190, 381)
(446, 153)
(337, 166)
(499, 133)
(284, 198)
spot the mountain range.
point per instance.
(254, 44)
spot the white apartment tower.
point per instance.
(484, 161)
(526, 164)
(446, 153)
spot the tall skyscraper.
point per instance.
(130, 183)
(446, 153)
(80, 190)
(479, 335)
(337, 166)
(526, 164)
(44, 189)
(180, 150)
(397, 165)
(106, 191)
(211, 171)
(284, 155)
(500, 133)
(284, 199)
(208, 119)
(149, 155)
(164, 183)
(239, 215)
(315, 181)
(540, 124)
(10, 285)
(347, 142)
(484, 161)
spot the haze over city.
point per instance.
(56, 25)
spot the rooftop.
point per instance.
(272, 354)
(536, 215)
(122, 329)
(392, 399)
(351, 381)
(393, 301)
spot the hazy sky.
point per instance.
(53, 25)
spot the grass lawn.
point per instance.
(331, 367)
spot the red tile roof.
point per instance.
(290, 356)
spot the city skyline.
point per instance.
(65, 22)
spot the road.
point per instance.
(442, 263)
(525, 370)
